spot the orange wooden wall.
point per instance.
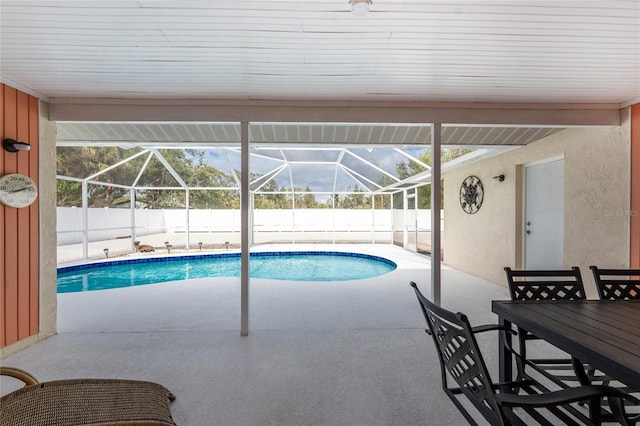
(19, 228)
(634, 261)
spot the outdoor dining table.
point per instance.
(603, 333)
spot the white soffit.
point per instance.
(177, 134)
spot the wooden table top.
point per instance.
(605, 334)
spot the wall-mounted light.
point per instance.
(499, 178)
(13, 145)
(360, 7)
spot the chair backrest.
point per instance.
(563, 284)
(461, 359)
(617, 284)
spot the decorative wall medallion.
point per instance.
(17, 190)
(471, 194)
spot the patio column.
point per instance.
(405, 207)
(132, 212)
(244, 228)
(373, 219)
(436, 191)
(85, 220)
(187, 202)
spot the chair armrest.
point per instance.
(511, 387)
(501, 328)
(615, 396)
(19, 374)
(488, 327)
(491, 327)
(561, 397)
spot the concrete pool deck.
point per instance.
(330, 353)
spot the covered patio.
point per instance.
(345, 353)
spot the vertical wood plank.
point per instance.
(19, 228)
(23, 228)
(10, 225)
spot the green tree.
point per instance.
(411, 168)
(157, 175)
(83, 162)
(190, 165)
(205, 176)
(69, 193)
(278, 199)
(357, 199)
(304, 198)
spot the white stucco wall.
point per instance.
(596, 187)
(47, 201)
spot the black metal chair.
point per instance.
(617, 284)
(548, 285)
(461, 359)
(563, 284)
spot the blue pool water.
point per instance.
(294, 266)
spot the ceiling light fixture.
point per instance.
(360, 7)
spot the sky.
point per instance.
(354, 169)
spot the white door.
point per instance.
(544, 215)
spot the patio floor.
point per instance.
(330, 353)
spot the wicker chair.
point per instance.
(84, 402)
(617, 284)
(461, 359)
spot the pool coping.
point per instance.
(175, 258)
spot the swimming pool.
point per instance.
(293, 266)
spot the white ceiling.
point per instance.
(561, 51)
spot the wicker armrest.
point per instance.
(88, 402)
(19, 374)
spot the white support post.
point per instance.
(373, 219)
(132, 206)
(85, 220)
(415, 217)
(244, 228)
(333, 198)
(252, 228)
(293, 216)
(392, 219)
(186, 204)
(405, 207)
(436, 189)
